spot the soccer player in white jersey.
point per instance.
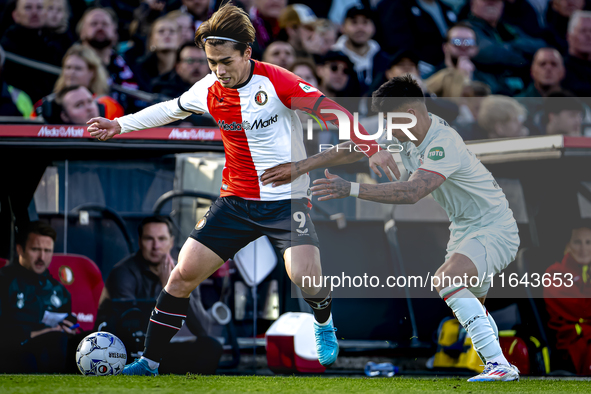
(252, 103)
(484, 236)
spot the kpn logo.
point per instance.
(436, 153)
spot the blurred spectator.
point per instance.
(191, 66)
(198, 9)
(98, 30)
(305, 69)
(547, 71)
(367, 57)
(163, 43)
(578, 61)
(13, 102)
(502, 117)
(418, 25)
(557, 16)
(564, 114)
(81, 66)
(279, 53)
(265, 18)
(569, 307)
(466, 124)
(77, 105)
(27, 39)
(406, 62)
(298, 22)
(143, 275)
(522, 13)
(185, 23)
(335, 74)
(327, 32)
(58, 31)
(459, 49)
(35, 309)
(144, 15)
(505, 50)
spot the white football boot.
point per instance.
(494, 372)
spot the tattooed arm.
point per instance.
(343, 153)
(419, 185)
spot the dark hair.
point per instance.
(154, 219)
(60, 94)
(562, 100)
(463, 25)
(304, 61)
(183, 46)
(404, 88)
(580, 223)
(230, 22)
(37, 227)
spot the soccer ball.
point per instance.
(100, 354)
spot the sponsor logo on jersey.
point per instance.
(261, 97)
(229, 126)
(307, 88)
(260, 123)
(436, 153)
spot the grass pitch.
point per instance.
(239, 384)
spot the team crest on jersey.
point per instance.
(261, 97)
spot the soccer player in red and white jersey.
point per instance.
(254, 104)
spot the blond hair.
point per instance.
(228, 22)
(99, 84)
(498, 109)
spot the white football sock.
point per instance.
(151, 364)
(472, 316)
(492, 323)
(326, 322)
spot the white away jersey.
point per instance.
(470, 195)
(259, 126)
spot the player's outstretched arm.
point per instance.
(419, 185)
(103, 129)
(338, 155)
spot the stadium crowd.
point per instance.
(493, 61)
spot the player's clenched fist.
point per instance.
(102, 129)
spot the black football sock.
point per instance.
(166, 320)
(320, 303)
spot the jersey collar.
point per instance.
(243, 84)
(430, 135)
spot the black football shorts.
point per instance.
(233, 222)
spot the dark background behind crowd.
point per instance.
(494, 61)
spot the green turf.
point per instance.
(239, 384)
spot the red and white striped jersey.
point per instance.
(259, 126)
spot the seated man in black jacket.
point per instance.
(142, 276)
(35, 309)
